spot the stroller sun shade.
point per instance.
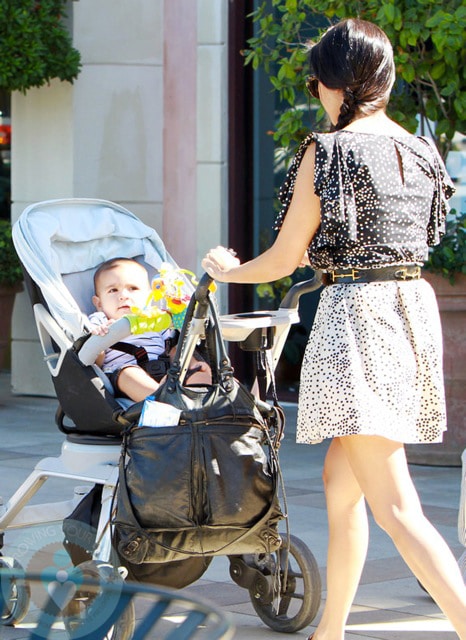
(61, 242)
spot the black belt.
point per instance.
(351, 276)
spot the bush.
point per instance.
(35, 45)
(449, 257)
(10, 268)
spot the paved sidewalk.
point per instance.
(389, 604)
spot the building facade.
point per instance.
(144, 125)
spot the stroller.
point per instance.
(60, 243)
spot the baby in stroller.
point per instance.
(137, 364)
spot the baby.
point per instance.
(122, 283)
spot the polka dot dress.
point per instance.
(373, 363)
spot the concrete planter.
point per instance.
(452, 305)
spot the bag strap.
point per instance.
(225, 369)
(280, 417)
(202, 307)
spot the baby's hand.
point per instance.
(101, 329)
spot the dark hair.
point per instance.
(110, 264)
(355, 56)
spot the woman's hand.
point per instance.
(218, 262)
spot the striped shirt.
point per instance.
(152, 342)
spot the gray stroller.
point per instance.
(60, 243)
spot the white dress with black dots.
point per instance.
(373, 363)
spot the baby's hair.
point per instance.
(110, 264)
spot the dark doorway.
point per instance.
(5, 155)
(255, 173)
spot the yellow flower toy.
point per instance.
(167, 302)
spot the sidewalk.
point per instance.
(389, 604)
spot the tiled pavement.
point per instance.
(389, 604)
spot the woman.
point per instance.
(363, 203)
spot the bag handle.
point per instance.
(225, 369)
(200, 307)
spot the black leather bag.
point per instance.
(207, 486)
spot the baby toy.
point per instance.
(167, 302)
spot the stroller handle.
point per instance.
(121, 329)
(202, 288)
(201, 295)
(291, 299)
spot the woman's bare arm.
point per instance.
(286, 253)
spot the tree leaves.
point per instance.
(428, 41)
(35, 45)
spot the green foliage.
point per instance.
(10, 267)
(35, 45)
(274, 292)
(428, 41)
(449, 257)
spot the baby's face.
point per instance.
(120, 288)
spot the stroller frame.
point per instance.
(94, 458)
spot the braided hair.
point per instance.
(356, 57)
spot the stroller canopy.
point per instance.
(61, 242)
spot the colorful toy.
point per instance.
(167, 302)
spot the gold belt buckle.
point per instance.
(353, 275)
(402, 274)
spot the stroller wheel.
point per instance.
(287, 606)
(81, 607)
(15, 594)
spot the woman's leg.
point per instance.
(382, 472)
(347, 546)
